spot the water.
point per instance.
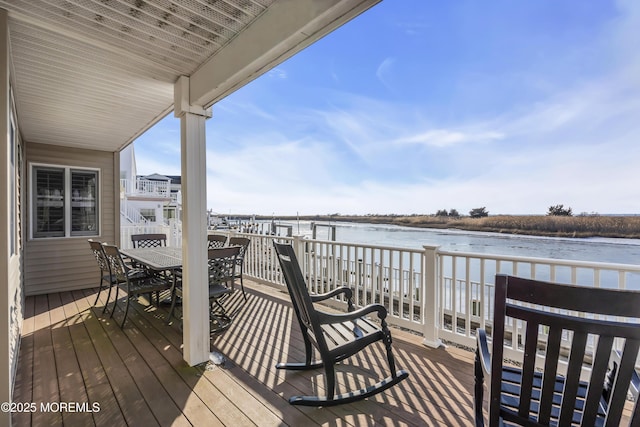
(622, 251)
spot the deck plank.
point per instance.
(134, 407)
(71, 385)
(70, 351)
(45, 378)
(95, 378)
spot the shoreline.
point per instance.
(625, 227)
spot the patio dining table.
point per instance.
(158, 259)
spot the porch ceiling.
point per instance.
(97, 73)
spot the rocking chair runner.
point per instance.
(335, 336)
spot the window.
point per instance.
(65, 202)
(148, 214)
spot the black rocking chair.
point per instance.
(559, 322)
(335, 336)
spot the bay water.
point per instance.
(595, 249)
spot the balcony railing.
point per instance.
(146, 187)
(442, 295)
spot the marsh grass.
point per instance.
(571, 226)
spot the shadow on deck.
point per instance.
(72, 353)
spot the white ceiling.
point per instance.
(97, 73)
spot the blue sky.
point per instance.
(416, 106)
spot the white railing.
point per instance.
(173, 232)
(146, 187)
(443, 295)
(466, 285)
(133, 214)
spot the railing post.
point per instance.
(298, 248)
(430, 296)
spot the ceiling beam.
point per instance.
(285, 28)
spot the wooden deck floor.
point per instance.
(70, 352)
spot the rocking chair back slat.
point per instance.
(301, 299)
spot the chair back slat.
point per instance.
(243, 243)
(619, 393)
(552, 316)
(149, 240)
(222, 264)
(574, 369)
(119, 269)
(98, 253)
(554, 341)
(531, 342)
(598, 376)
(216, 241)
(299, 292)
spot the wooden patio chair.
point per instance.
(216, 241)
(561, 322)
(334, 336)
(133, 281)
(105, 271)
(243, 243)
(221, 273)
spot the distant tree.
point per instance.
(454, 213)
(442, 212)
(559, 210)
(478, 212)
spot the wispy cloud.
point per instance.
(384, 72)
(278, 73)
(447, 138)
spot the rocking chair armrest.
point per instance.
(483, 351)
(326, 318)
(348, 293)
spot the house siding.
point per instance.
(62, 264)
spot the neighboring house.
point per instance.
(147, 200)
(79, 82)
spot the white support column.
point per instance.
(194, 226)
(430, 296)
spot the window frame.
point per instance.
(67, 200)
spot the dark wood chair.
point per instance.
(216, 241)
(334, 336)
(149, 240)
(221, 273)
(105, 271)
(545, 386)
(243, 243)
(133, 281)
